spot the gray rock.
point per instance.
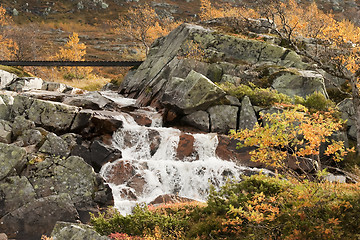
(215, 72)
(38, 217)
(346, 107)
(72, 175)
(21, 124)
(92, 100)
(6, 102)
(11, 158)
(5, 131)
(300, 83)
(31, 137)
(56, 116)
(248, 117)
(14, 193)
(199, 119)
(82, 120)
(24, 84)
(75, 231)
(54, 86)
(233, 100)
(231, 79)
(223, 118)
(195, 93)
(55, 145)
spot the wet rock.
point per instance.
(120, 172)
(5, 131)
(248, 117)
(12, 159)
(141, 119)
(105, 122)
(14, 193)
(24, 84)
(101, 154)
(55, 145)
(196, 92)
(301, 83)
(137, 182)
(185, 149)
(38, 217)
(155, 140)
(198, 119)
(66, 230)
(223, 118)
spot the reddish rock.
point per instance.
(128, 194)
(227, 150)
(170, 198)
(185, 147)
(137, 183)
(120, 173)
(155, 140)
(141, 119)
(170, 116)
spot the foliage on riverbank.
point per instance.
(259, 207)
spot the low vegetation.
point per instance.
(259, 207)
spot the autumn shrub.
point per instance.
(258, 96)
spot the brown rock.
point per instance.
(120, 173)
(170, 198)
(141, 119)
(185, 147)
(155, 140)
(137, 183)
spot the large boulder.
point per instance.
(12, 159)
(24, 84)
(56, 175)
(299, 82)
(195, 93)
(223, 118)
(38, 217)
(15, 192)
(6, 78)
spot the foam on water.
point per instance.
(162, 171)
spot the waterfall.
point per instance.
(149, 166)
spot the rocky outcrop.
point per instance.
(66, 230)
(182, 80)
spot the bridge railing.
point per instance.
(72, 63)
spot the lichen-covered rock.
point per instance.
(198, 119)
(38, 217)
(21, 124)
(55, 145)
(75, 231)
(30, 137)
(300, 82)
(6, 102)
(223, 118)
(195, 93)
(24, 84)
(346, 107)
(248, 117)
(11, 158)
(92, 100)
(54, 87)
(14, 193)
(72, 175)
(56, 116)
(5, 131)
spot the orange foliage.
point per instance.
(73, 51)
(8, 47)
(279, 140)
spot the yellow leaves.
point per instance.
(8, 47)
(292, 133)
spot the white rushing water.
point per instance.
(161, 172)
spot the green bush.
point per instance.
(258, 96)
(315, 102)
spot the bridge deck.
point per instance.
(73, 63)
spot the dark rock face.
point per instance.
(38, 217)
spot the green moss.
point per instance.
(258, 96)
(17, 71)
(315, 102)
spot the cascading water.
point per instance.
(149, 166)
